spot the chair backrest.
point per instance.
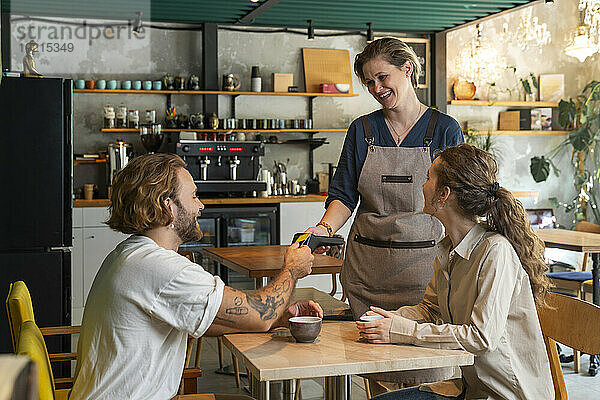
(19, 309)
(31, 343)
(572, 322)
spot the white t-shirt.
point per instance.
(144, 302)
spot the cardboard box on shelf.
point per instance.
(281, 82)
(514, 120)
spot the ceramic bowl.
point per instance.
(342, 87)
(305, 329)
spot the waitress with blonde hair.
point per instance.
(383, 164)
(482, 298)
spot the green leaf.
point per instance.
(567, 110)
(539, 168)
(554, 202)
(580, 139)
(526, 86)
(533, 80)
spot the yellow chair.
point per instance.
(31, 343)
(20, 310)
(570, 321)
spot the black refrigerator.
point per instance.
(36, 202)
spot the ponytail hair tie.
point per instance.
(494, 189)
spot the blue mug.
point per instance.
(157, 85)
(112, 84)
(126, 85)
(79, 84)
(147, 85)
(101, 84)
(137, 85)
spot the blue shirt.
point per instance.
(344, 185)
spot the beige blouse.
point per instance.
(480, 300)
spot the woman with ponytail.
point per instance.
(488, 278)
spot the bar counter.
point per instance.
(223, 200)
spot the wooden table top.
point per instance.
(570, 240)
(276, 356)
(265, 261)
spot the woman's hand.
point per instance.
(319, 230)
(376, 331)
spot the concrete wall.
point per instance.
(560, 17)
(98, 55)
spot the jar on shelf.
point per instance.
(150, 117)
(109, 117)
(133, 119)
(121, 116)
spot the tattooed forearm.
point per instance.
(267, 308)
(230, 321)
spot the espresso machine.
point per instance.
(223, 168)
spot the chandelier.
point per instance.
(584, 41)
(529, 33)
(478, 61)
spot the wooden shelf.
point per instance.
(522, 133)
(96, 161)
(218, 92)
(503, 103)
(123, 130)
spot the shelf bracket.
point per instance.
(310, 107)
(311, 169)
(233, 105)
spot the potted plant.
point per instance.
(530, 86)
(582, 117)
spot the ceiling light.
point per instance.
(311, 30)
(254, 1)
(581, 45)
(369, 32)
(137, 25)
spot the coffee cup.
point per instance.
(101, 84)
(90, 84)
(147, 85)
(126, 85)
(157, 85)
(137, 85)
(88, 191)
(79, 84)
(111, 84)
(305, 329)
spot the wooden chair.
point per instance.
(572, 322)
(20, 310)
(573, 281)
(31, 343)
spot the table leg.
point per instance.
(593, 370)
(337, 387)
(289, 389)
(595, 278)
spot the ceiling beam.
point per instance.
(257, 11)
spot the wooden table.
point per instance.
(584, 242)
(336, 354)
(265, 261)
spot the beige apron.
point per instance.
(389, 256)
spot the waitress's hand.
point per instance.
(319, 230)
(376, 331)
